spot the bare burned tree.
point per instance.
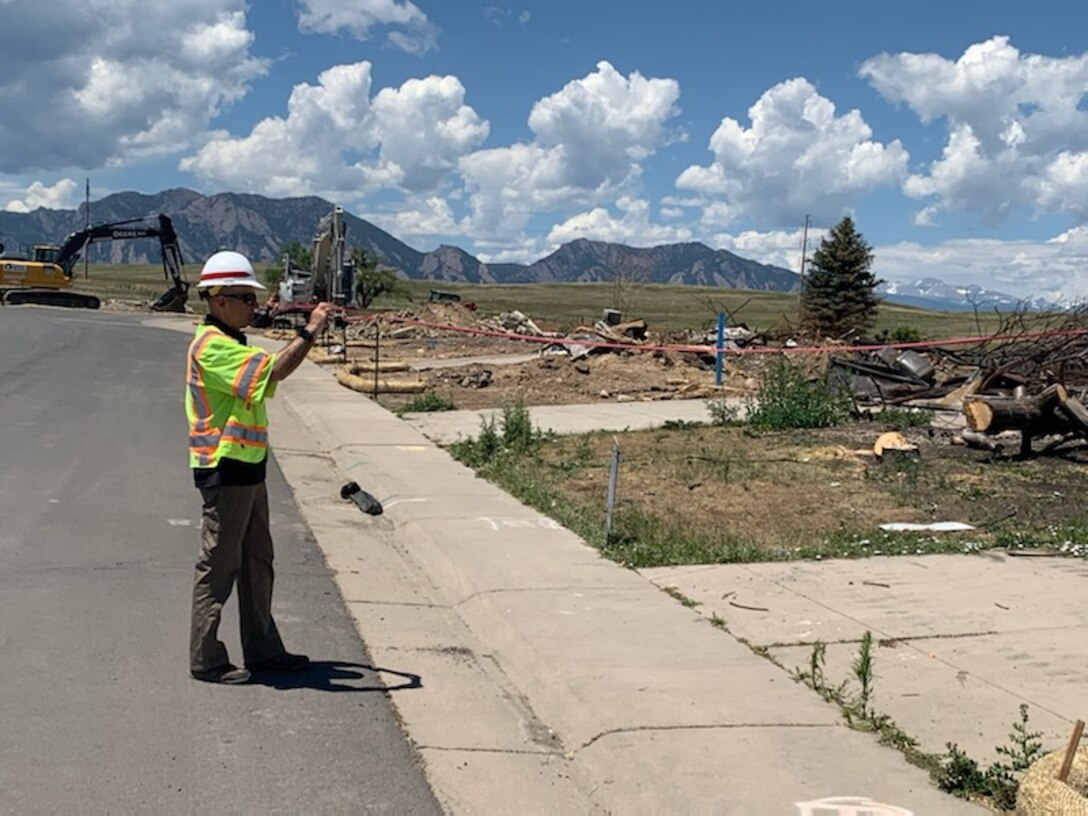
(1031, 349)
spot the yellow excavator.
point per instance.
(45, 275)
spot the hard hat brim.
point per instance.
(252, 284)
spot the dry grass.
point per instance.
(665, 308)
(714, 494)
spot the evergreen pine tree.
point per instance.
(837, 294)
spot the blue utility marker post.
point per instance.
(719, 351)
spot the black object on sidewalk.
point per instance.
(367, 503)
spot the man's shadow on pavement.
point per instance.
(335, 675)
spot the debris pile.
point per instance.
(1029, 381)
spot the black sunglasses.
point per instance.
(248, 298)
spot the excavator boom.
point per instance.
(45, 279)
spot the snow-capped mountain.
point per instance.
(932, 293)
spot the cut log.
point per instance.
(974, 439)
(1032, 416)
(1073, 410)
(894, 443)
(990, 414)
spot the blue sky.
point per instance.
(955, 133)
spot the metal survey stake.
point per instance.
(613, 476)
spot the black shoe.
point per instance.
(227, 675)
(285, 662)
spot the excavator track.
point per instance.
(50, 297)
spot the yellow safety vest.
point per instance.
(227, 384)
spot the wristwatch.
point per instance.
(305, 334)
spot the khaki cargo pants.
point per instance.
(236, 546)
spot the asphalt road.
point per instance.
(98, 533)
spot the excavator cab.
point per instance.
(46, 253)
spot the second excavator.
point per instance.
(45, 276)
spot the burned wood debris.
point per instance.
(1029, 378)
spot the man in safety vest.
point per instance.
(227, 382)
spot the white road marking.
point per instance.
(395, 502)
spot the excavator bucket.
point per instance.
(172, 300)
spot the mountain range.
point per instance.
(259, 227)
(933, 293)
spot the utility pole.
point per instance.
(804, 248)
(804, 257)
(86, 223)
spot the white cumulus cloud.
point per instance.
(632, 227)
(98, 83)
(410, 138)
(412, 31)
(797, 158)
(61, 196)
(590, 139)
(1051, 269)
(415, 217)
(776, 247)
(1017, 130)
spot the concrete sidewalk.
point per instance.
(961, 641)
(448, 426)
(554, 681)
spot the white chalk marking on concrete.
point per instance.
(395, 502)
(512, 521)
(180, 522)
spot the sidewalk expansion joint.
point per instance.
(698, 727)
(915, 642)
(498, 751)
(408, 604)
(887, 643)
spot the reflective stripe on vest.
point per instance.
(246, 434)
(247, 376)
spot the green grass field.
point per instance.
(664, 307)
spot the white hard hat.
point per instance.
(228, 269)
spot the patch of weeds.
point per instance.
(905, 334)
(900, 419)
(856, 708)
(786, 398)
(962, 776)
(428, 401)
(722, 412)
(852, 544)
(863, 671)
(954, 772)
(518, 434)
(676, 594)
(513, 436)
(718, 622)
(641, 540)
(1070, 539)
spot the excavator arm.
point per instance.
(173, 300)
